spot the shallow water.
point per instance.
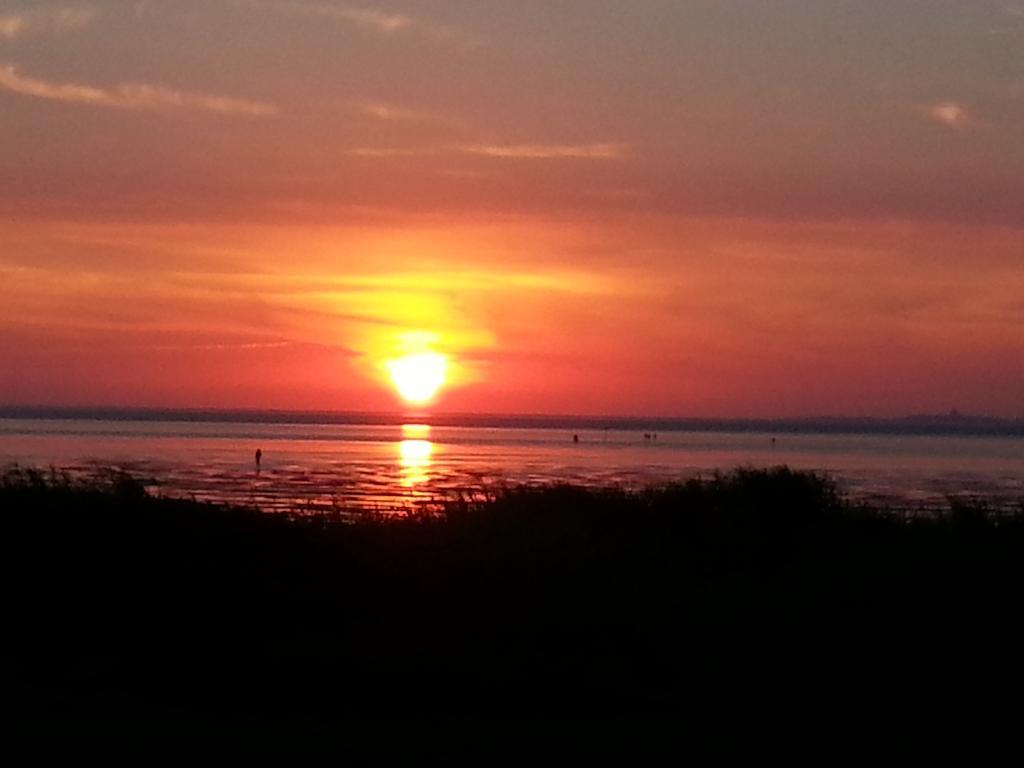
(365, 466)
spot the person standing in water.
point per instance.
(259, 458)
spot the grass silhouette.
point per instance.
(561, 600)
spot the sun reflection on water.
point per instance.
(414, 454)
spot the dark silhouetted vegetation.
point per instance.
(724, 592)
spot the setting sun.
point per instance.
(418, 377)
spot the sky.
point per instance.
(728, 208)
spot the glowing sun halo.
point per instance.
(418, 377)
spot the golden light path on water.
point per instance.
(414, 454)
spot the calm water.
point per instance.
(394, 467)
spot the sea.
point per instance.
(397, 463)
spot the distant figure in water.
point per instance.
(259, 457)
(773, 442)
(575, 438)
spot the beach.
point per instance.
(336, 461)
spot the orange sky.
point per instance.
(662, 208)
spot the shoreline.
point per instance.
(262, 495)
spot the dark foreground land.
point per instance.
(757, 590)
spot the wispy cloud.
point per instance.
(1014, 10)
(393, 151)
(951, 114)
(1010, 20)
(368, 19)
(395, 114)
(604, 151)
(133, 96)
(48, 20)
(222, 347)
(11, 26)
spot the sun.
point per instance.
(418, 377)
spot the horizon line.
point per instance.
(950, 421)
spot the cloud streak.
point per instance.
(130, 96)
(393, 151)
(221, 347)
(600, 151)
(371, 20)
(52, 20)
(395, 114)
(368, 18)
(11, 26)
(604, 151)
(951, 114)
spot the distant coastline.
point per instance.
(943, 424)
